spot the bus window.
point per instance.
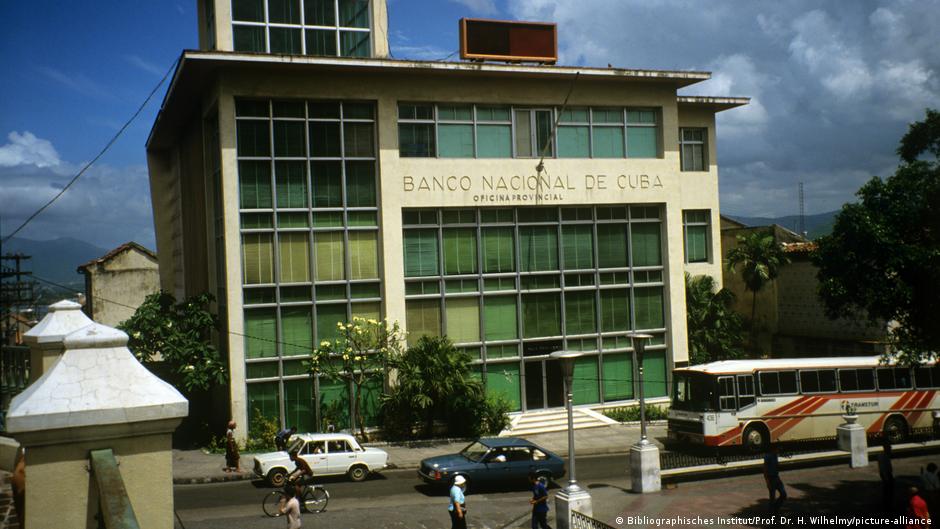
(726, 398)
(818, 381)
(894, 378)
(694, 392)
(777, 382)
(851, 380)
(745, 390)
(927, 377)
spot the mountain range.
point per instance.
(815, 225)
(54, 260)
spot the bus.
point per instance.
(756, 402)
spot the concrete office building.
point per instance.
(305, 177)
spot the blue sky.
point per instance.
(834, 85)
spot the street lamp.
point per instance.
(572, 497)
(644, 455)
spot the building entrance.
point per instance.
(543, 385)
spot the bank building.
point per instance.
(304, 176)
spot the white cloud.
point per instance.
(738, 75)
(482, 7)
(80, 82)
(27, 149)
(839, 65)
(144, 65)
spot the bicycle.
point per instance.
(313, 499)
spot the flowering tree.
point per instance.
(361, 349)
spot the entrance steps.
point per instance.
(555, 420)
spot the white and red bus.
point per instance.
(754, 402)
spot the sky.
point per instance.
(833, 86)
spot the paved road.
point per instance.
(394, 499)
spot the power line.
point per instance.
(95, 159)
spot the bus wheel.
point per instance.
(895, 430)
(755, 438)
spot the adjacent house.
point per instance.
(117, 282)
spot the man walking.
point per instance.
(458, 504)
(772, 477)
(886, 471)
(539, 502)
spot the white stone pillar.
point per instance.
(851, 438)
(644, 468)
(45, 339)
(96, 397)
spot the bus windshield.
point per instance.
(694, 392)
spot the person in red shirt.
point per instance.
(917, 510)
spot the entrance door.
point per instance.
(543, 385)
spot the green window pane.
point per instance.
(254, 183)
(421, 256)
(331, 292)
(296, 331)
(641, 142)
(358, 111)
(248, 38)
(696, 244)
(574, 115)
(499, 313)
(654, 374)
(585, 387)
(541, 315)
(580, 313)
(284, 11)
(494, 141)
(263, 401)
(367, 311)
(618, 377)
(319, 13)
(292, 220)
(416, 140)
(257, 258)
(248, 10)
(363, 218)
(615, 310)
(454, 112)
(327, 180)
(538, 246)
(502, 351)
(354, 13)
(498, 250)
(573, 142)
(291, 179)
(252, 221)
(459, 216)
(608, 142)
(499, 283)
(460, 251)
(423, 317)
(577, 214)
(578, 246)
(297, 293)
(463, 319)
(324, 140)
(321, 42)
(295, 367)
(261, 370)
(328, 246)
(496, 216)
(360, 184)
(359, 140)
(289, 139)
(646, 244)
(354, 44)
(649, 307)
(257, 296)
(542, 214)
(334, 403)
(523, 133)
(285, 40)
(299, 405)
(294, 257)
(502, 381)
(611, 245)
(371, 399)
(364, 290)
(641, 116)
(607, 115)
(412, 111)
(327, 318)
(328, 219)
(455, 141)
(363, 255)
(260, 333)
(493, 113)
(254, 138)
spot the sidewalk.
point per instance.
(195, 466)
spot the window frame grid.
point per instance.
(703, 144)
(336, 29)
(686, 224)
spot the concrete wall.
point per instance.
(116, 287)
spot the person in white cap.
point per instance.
(457, 508)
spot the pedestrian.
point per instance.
(916, 510)
(282, 437)
(539, 502)
(772, 478)
(457, 508)
(231, 448)
(18, 484)
(930, 485)
(886, 471)
(290, 505)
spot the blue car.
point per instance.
(492, 460)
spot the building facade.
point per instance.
(305, 177)
(118, 282)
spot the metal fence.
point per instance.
(583, 521)
(14, 376)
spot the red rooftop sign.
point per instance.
(505, 40)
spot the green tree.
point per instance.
(177, 335)
(716, 332)
(883, 255)
(362, 350)
(759, 258)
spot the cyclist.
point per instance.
(302, 474)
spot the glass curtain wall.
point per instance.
(512, 285)
(309, 228)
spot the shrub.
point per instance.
(632, 413)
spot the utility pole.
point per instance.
(16, 293)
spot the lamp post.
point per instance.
(644, 455)
(572, 497)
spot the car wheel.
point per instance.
(277, 477)
(358, 473)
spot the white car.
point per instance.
(329, 454)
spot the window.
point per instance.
(818, 381)
(726, 396)
(777, 382)
(695, 224)
(692, 149)
(746, 390)
(600, 133)
(856, 380)
(927, 377)
(894, 378)
(533, 133)
(308, 27)
(338, 446)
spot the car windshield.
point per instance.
(693, 392)
(474, 451)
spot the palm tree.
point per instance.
(715, 331)
(759, 257)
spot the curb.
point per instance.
(232, 476)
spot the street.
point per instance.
(396, 495)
